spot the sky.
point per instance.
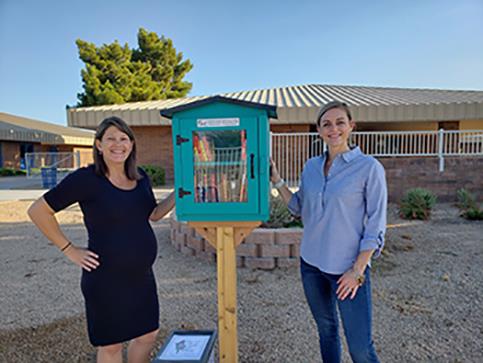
(243, 45)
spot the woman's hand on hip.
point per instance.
(348, 285)
(82, 257)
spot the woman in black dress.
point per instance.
(117, 282)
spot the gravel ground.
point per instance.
(427, 295)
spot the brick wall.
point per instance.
(155, 147)
(10, 155)
(262, 249)
(459, 172)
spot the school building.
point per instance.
(376, 109)
(21, 135)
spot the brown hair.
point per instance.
(130, 167)
(329, 106)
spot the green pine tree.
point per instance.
(118, 74)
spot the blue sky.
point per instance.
(243, 45)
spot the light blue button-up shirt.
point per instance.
(344, 212)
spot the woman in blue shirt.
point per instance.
(342, 201)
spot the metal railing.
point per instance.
(63, 162)
(290, 151)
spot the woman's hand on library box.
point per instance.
(274, 174)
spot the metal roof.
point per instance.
(299, 104)
(16, 128)
(168, 112)
(318, 95)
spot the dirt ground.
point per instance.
(427, 295)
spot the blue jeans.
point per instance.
(319, 288)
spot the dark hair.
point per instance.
(130, 167)
(329, 106)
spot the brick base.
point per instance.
(264, 248)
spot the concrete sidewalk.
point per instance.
(23, 188)
(21, 194)
(20, 182)
(32, 194)
(20, 188)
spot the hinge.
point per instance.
(182, 192)
(180, 140)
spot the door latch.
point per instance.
(182, 192)
(180, 140)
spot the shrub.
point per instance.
(474, 214)
(7, 172)
(417, 204)
(468, 205)
(155, 173)
(465, 200)
(280, 216)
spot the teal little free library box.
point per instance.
(221, 159)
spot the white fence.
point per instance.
(290, 151)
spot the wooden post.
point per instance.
(227, 323)
(225, 237)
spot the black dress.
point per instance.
(120, 295)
